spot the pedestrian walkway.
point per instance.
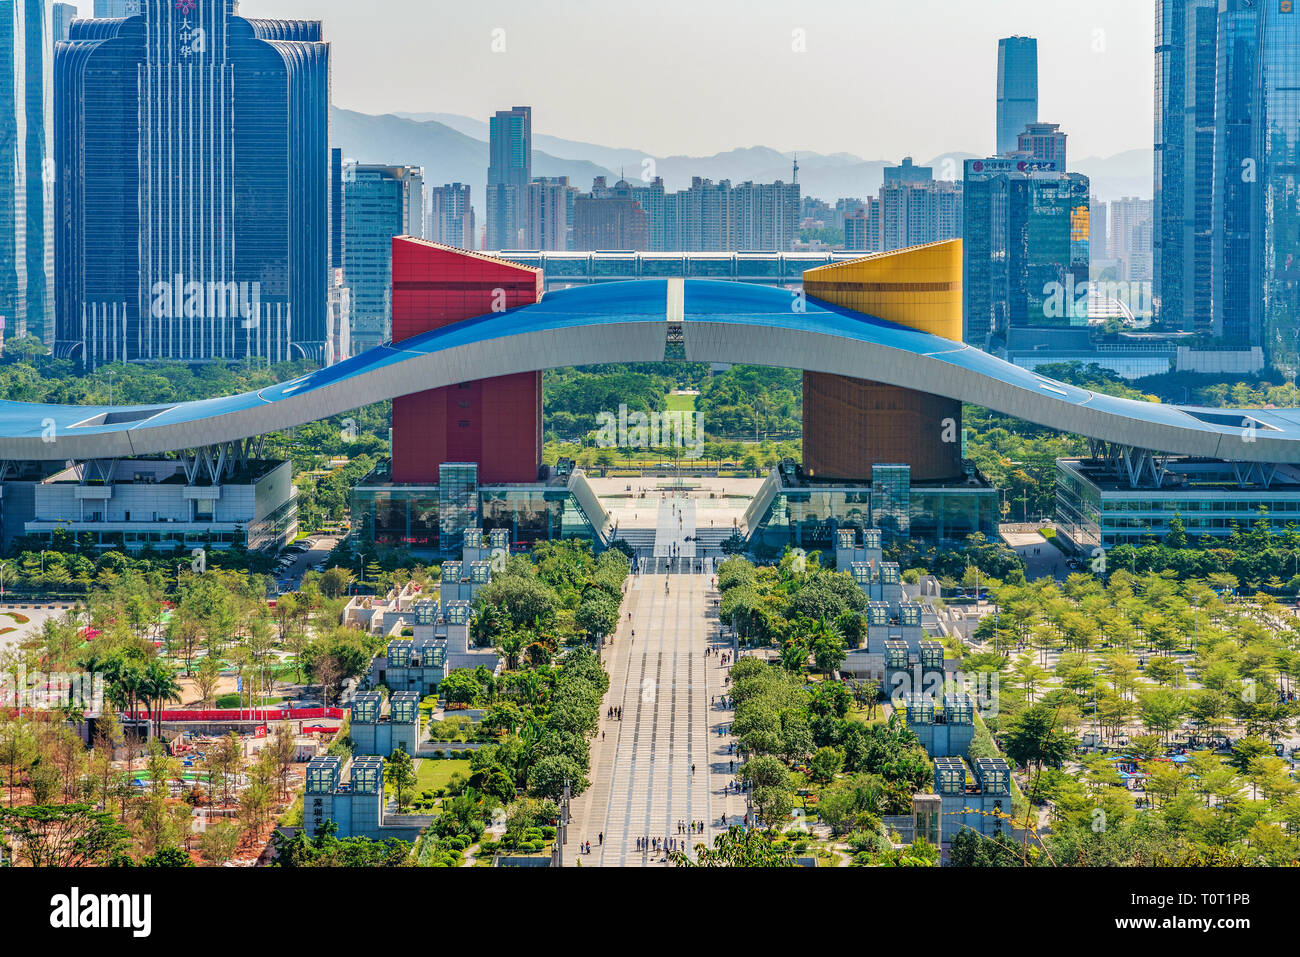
(641, 779)
(675, 532)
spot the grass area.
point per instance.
(680, 403)
(434, 773)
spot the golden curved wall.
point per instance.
(849, 425)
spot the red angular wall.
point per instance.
(494, 422)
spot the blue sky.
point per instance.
(879, 78)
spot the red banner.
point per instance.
(245, 714)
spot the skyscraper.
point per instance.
(451, 216)
(194, 190)
(1238, 222)
(510, 170)
(1017, 89)
(61, 17)
(116, 9)
(1027, 238)
(1182, 210)
(379, 202)
(1277, 133)
(26, 173)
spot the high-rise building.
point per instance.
(1017, 89)
(116, 9)
(1182, 210)
(61, 17)
(1226, 213)
(916, 209)
(194, 189)
(862, 228)
(1045, 142)
(336, 210)
(610, 218)
(26, 180)
(510, 170)
(1129, 242)
(550, 214)
(379, 203)
(451, 216)
(1238, 217)
(1027, 237)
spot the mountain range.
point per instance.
(454, 148)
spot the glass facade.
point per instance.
(1237, 303)
(1017, 89)
(1026, 250)
(197, 227)
(810, 517)
(1094, 510)
(1280, 152)
(434, 519)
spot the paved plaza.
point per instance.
(641, 779)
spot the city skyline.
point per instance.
(1100, 52)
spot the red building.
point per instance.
(494, 422)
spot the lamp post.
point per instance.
(3, 565)
(43, 561)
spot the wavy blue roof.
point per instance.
(627, 322)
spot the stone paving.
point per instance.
(641, 779)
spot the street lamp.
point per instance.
(43, 561)
(3, 565)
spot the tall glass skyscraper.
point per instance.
(1026, 251)
(26, 212)
(1238, 250)
(193, 187)
(1227, 229)
(510, 170)
(1278, 135)
(1017, 89)
(379, 202)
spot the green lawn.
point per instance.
(680, 403)
(434, 773)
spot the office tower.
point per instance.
(1027, 230)
(379, 203)
(451, 216)
(116, 9)
(916, 209)
(510, 170)
(338, 335)
(1277, 131)
(200, 230)
(1238, 216)
(1170, 159)
(1017, 89)
(610, 218)
(26, 207)
(336, 209)
(1197, 242)
(1045, 142)
(1182, 211)
(61, 17)
(550, 214)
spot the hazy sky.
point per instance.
(879, 78)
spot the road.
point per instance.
(641, 779)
